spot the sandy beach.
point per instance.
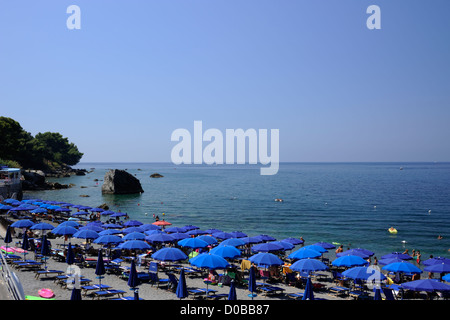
(32, 283)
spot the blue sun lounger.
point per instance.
(338, 290)
(298, 295)
(271, 290)
(108, 293)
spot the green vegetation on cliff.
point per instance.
(48, 150)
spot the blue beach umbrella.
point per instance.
(316, 247)
(252, 281)
(39, 210)
(238, 234)
(227, 252)
(133, 280)
(235, 242)
(267, 247)
(294, 241)
(94, 227)
(349, 261)
(169, 254)
(435, 260)
(86, 234)
(402, 267)
(180, 236)
(308, 265)
(24, 223)
(196, 232)
(364, 273)
(135, 245)
(377, 295)
(100, 268)
(73, 224)
(109, 239)
(64, 231)
(42, 226)
(389, 261)
(109, 232)
(222, 235)
(446, 277)
(181, 290)
(25, 244)
(428, 285)
(308, 294)
(148, 226)
(265, 237)
(133, 229)
(285, 245)
(397, 255)
(194, 243)
(70, 258)
(175, 229)
(150, 232)
(209, 261)
(232, 293)
(133, 223)
(76, 294)
(160, 238)
(134, 236)
(209, 239)
(266, 259)
(112, 226)
(304, 253)
(442, 267)
(251, 240)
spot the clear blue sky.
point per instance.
(137, 70)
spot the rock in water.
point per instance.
(120, 182)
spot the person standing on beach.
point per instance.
(339, 249)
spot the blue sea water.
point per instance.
(349, 203)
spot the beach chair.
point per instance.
(217, 296)
(107, 293)
(173, 282)
(47, 273)
(338, 290)
(358, 294)
(95, 287)
(298, 295)
(270, 290)
(199, 292)
(125, 298)
(153, 274)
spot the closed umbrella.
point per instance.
(266, 259)
(304, 253)
(308, 265)
(133, 280)
(8, 237)
(377, 295)
(194, 243)
(232, 293)
(402, 267)
(308, 294)
(252, 281)
(25, 244)
(349, 261)
(100, 268)
(45, 250)
(181, 286)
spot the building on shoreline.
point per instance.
(10, 183)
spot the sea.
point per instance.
(353, 204)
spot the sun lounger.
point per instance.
(298, 295)
(217, 296)
(125, 298)
(201, 291)
(108, 293)
(358, 294)
(28, 265)
(48, 273)
(266, 290)
(338, 290)
(89, 288)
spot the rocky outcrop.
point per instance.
(156, 175)
(120, 182)
(35, 180)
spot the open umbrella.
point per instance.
(160, 238)
(349, 261)
(267, 247)
(435, 260)
(238, 234)
(235, 242)
(353, 252)
(227, 252)
(325, 245)
(209, 239)
(308, 265)
(133, 280)
(133, 223)
(402, 267)
(135, 245)
(24, 223)
(109, 239)
(398, 255)
(181, 286)
(364, 273)
(70, 258)
(438, 268)
(42, 226)
(317, 248)
(222, 235)
(266, 259)
(294, 241)
(169, 254)
(265, 237)
(134, 236)
(86, 234)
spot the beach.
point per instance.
(31, 284)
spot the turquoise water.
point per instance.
(348, 203)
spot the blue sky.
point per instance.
(138, 70)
